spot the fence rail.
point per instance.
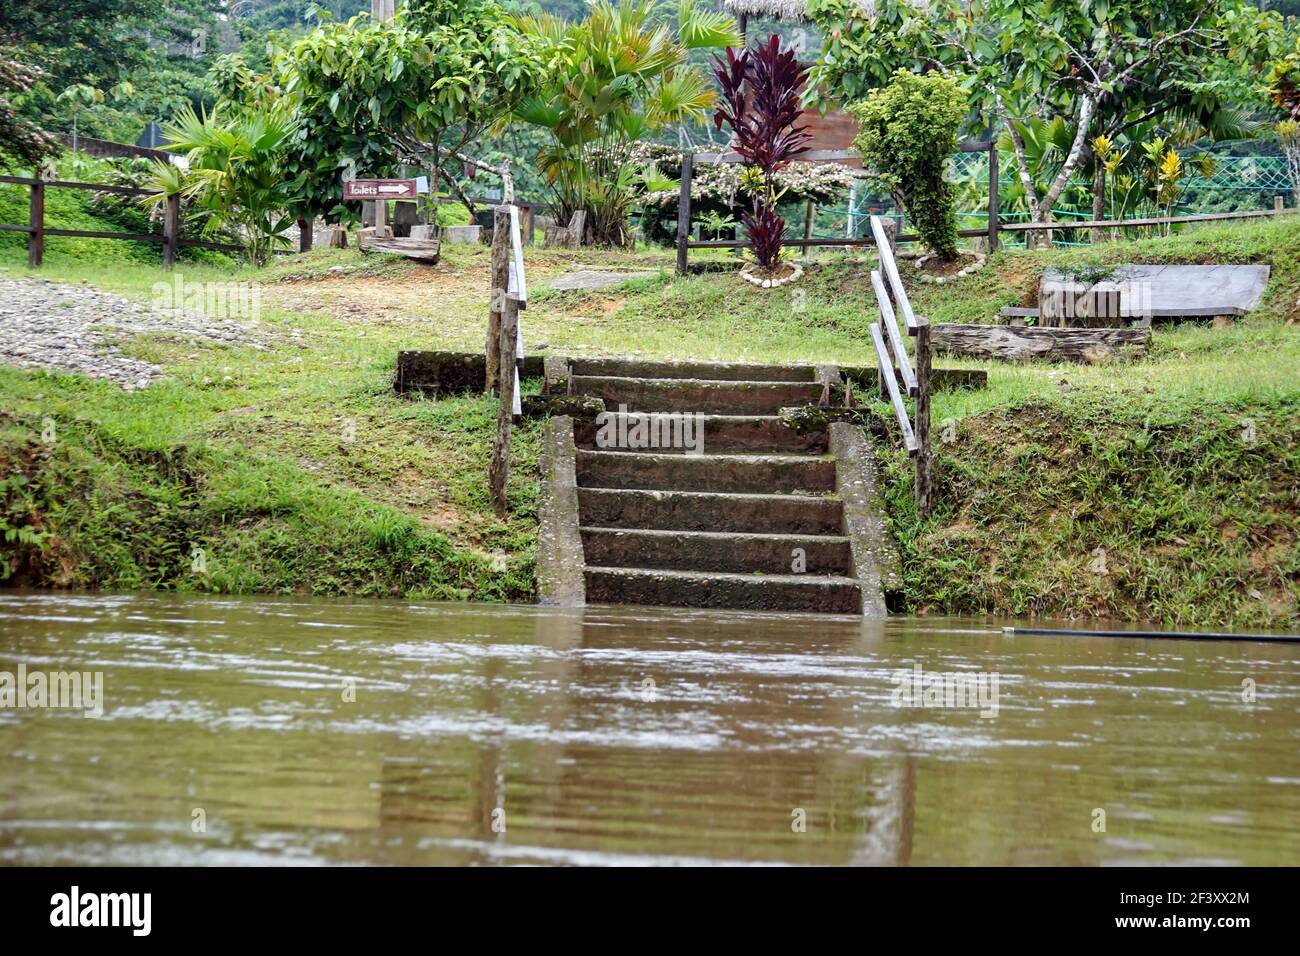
(170, 238)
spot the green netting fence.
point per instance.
(1237, 184)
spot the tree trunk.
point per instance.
(1098, 197)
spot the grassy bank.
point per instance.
(296, 468)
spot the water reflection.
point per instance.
(479, 734)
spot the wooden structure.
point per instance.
(896, 374)
(421, 250)
(505, 344)
(171, 239)
(1021, 343)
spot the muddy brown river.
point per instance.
(270, 731)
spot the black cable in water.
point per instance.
(1171, 635)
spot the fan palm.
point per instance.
(235, 171)
(617, 76)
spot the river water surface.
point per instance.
(256, 730)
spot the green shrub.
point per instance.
(908, 130)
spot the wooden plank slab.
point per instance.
(1018, 344)
(423, 250)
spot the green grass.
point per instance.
(242, 453)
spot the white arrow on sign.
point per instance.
(392, 189)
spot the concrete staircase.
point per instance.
(757, 521)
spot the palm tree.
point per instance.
(235, 172)
(617, 76)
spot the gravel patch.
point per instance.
(68, 328)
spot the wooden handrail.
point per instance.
(890, 268)
(1149, 221)
(518, 282)
(916, 434)
(887, 376)
(891, 327)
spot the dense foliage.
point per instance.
(908, 131)
(1101, 68)
(419, 88)
(617, 76)
(716, 196)
(233, 173)
(21, 141)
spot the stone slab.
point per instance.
(593, 280)
(560, 559)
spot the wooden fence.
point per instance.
(685, 242)
(896, 375)
(991, 232)
(170, 238)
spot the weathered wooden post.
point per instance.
(500, 266)
(684, 212)
(36, 220)
(924, 460)
(506, 368)
(499, 468)
(1278, 204)
(171, 230)
(993, 195)
(304, 235)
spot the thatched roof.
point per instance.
(791, 11)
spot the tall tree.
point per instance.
(419, 88)
(1100, 66)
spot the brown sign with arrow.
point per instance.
(375, 189)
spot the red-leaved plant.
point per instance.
(761, 88)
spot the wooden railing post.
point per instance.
(924, 461)
(36, 220)
(509, 358)
(171, 230)
(684, 212)
(994, 175)
(500, 264)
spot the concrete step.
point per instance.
(706, 511)
(726, 371)
(771, 474)
(759, 592)
(721, 433)
(706, 396)
(716, 551)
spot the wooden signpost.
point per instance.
(379, 189)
